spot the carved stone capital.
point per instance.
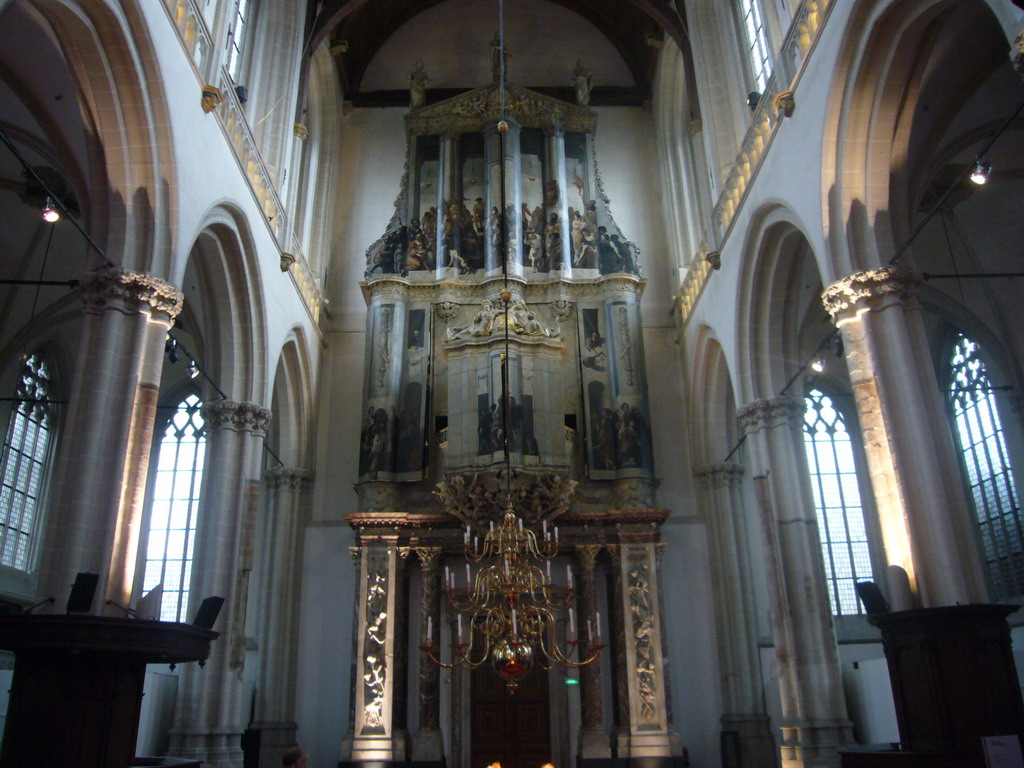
(237, 417)
(719, 475)
(211, 98)
(292, 479)
(867, 290)
(586, 556)
(771, 412)
(133, 291)
(429, 558)
(784, 103)
(301, 132)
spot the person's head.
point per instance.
(295, 758)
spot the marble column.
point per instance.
(375, 674)
(643, 726)
(211, 713)
(739, 667)
(593, 741)
(103, 460)
(814, 719)
(924, 515)
(274, 710)
(428, 744)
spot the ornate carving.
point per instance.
(476, 496)
(113, 285)
(471, 111)
(625, 344)
(211, 98)
(633, 492)
(581, 84)
(287, 260)
(1018, 59)
(378, 497)
(384, 359)
(772, 412)
(490, 320)
(238, 417)
(301, 132)
(719, 475)
(714, 259)
(375, 669)
(418, 81)
(784, 103)
(447, 311)
(869, 289)
(641, 609)
(587, 554)
(290, 479)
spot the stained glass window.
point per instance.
(844, 540)
(987, 469)
(174, 503)
(24, 464)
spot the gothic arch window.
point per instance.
(24, 465)
(844, 539)
(238, 29)
(174, 503)
(756, 39)
(986, 467)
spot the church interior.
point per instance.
(535, 381)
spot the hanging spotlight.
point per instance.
(192, 369)
(981, 171)
(818, 364)
(171, 349)
(50, 212)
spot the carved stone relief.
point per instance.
(375, 671)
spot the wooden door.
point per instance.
(514, 730)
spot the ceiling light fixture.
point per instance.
(981, 172)
(192, 369)
(50, 212)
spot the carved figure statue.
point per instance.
(418, 86)
(581, 83)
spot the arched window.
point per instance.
(752, 21)
(986, 467)
(236, 37)
(175, 500)
(25, 462)
(844, 541)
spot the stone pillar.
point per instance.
(738, 663)
(210, 714)
(643, 711)
(449, 193)
(427, 744)
(593, 741)
(814, 720)
(100, 480)
(556, 233)
(375, 655)
(274, 714)
(919, 495)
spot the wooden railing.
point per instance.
(197, 42)
(803, 33)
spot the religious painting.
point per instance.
(531, 187)
(412, 408)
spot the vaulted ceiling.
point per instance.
(356, 30)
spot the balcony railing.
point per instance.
(195, 38)
(803, 33)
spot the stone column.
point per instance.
(556, 203)
(814, 720)
(375, 654)
(738, 663)
(919, 495)
(593, 741)
(210, 714)
(428, 744)
(100, 481)
(642, 653)
(449, 192)
(617, 627)
(274, 714)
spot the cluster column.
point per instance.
(100, 480)
(275, 693)
(210, 714)
(920, 500)
(739, 667)
(814, 719)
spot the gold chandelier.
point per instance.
(512, 605)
